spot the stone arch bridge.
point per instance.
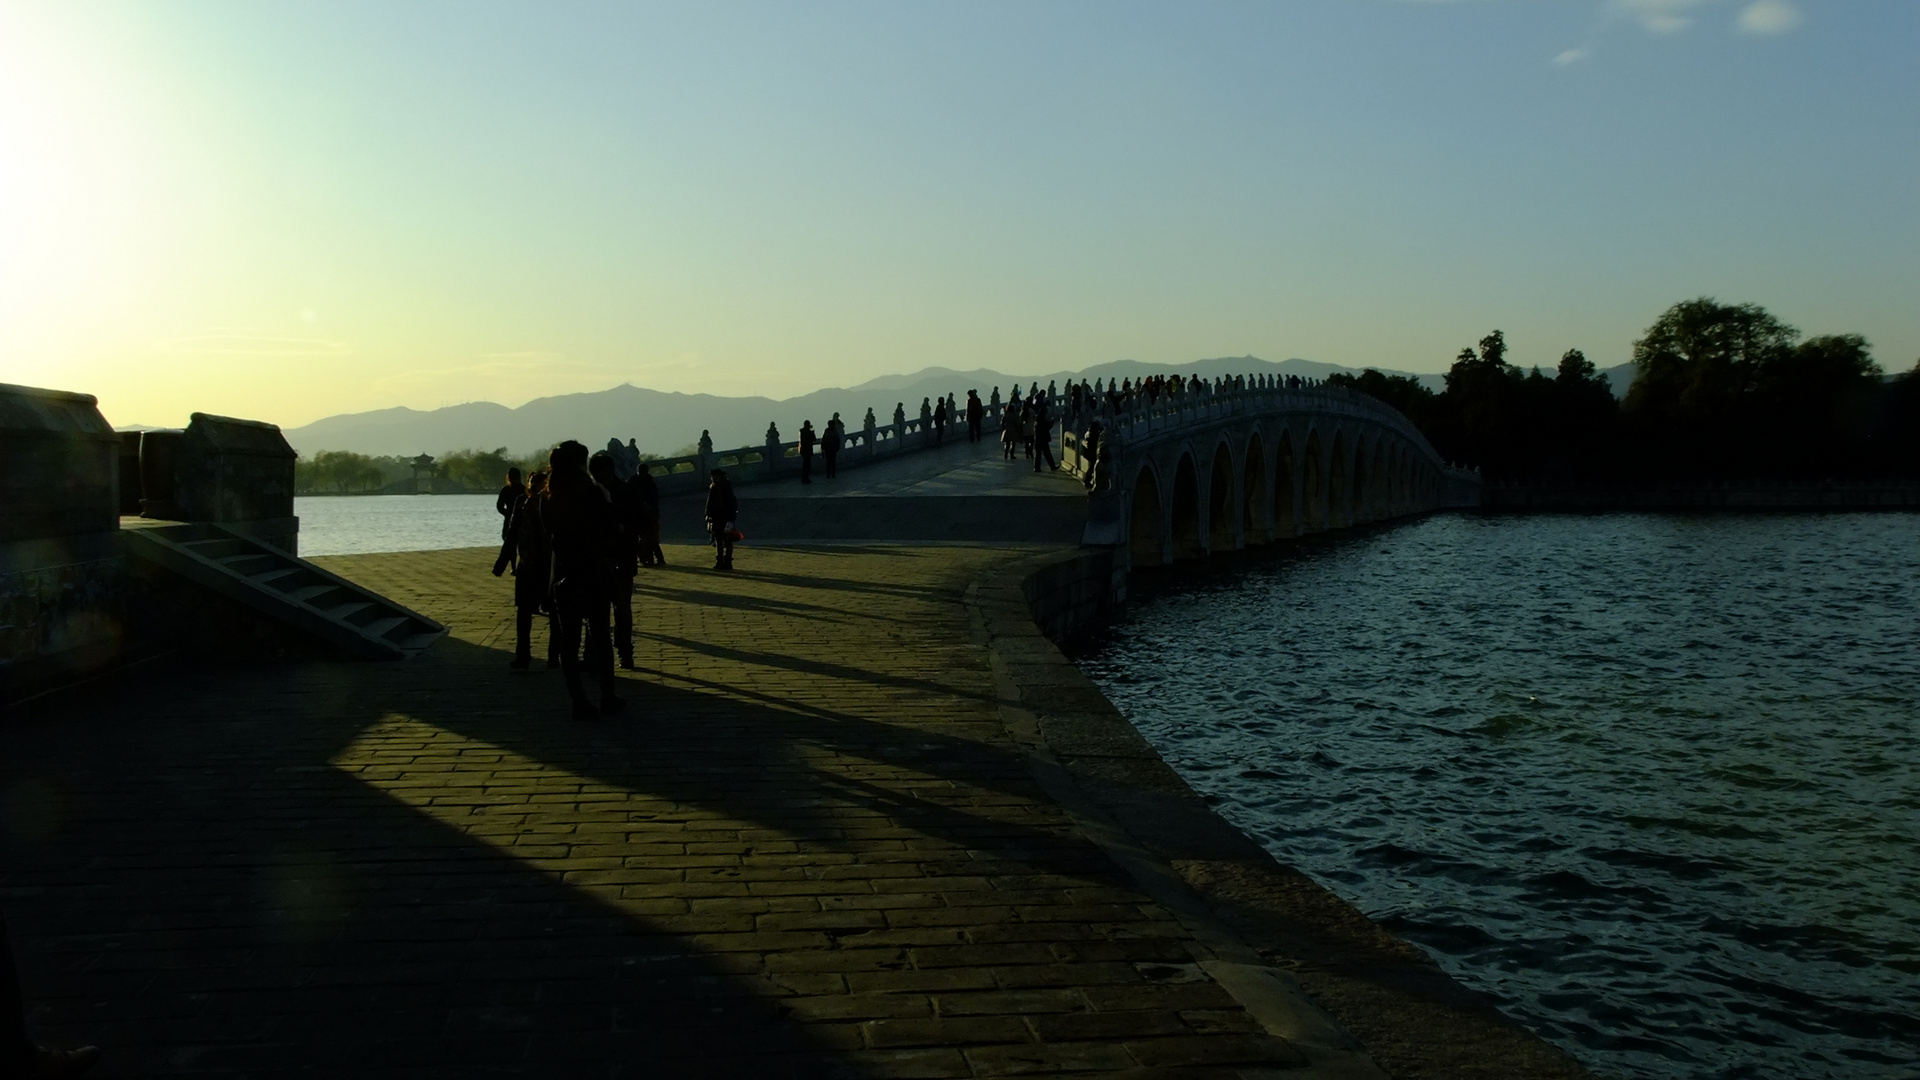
(1225, 468)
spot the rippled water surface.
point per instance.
(356, 524)
(1653, 782)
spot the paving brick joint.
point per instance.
(829, 838)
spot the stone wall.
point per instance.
(62, 572)
(1074, 594)
(237, 473)
(61, 468)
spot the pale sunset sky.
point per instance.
(285, 210)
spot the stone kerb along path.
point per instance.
(861, 820)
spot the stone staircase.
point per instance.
(355, 621)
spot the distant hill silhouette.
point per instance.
(663, 422)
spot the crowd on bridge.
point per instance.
(576, 534)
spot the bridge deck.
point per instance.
(958, 468)
(959, 492)
(814, 846)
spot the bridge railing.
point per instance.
(1137, 417)
(1130, 416)
(778, 458)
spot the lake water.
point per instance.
(357, 524)
(1653, 782)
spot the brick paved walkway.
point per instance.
(812, 847)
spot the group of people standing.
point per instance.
(575, 536)
(1028, 422)
(827, 444)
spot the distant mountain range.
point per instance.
(663, 423)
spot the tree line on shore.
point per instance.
(454, 472)
(1720, 392)
(343, 472)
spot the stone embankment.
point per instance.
(862, 819)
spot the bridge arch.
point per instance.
(1184, 520)
(1221, 503)
(1377, 479)
(1396, 479)
(1247, 463)
(1313, 486)
(1339, 483)
(1256, 524)
(1285, 488)
(1361, 489)
(1146, 520)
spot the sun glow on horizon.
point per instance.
(291, 212)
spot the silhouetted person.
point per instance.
(646, 493)
(1043, 439)
(1010, 429)
(509, 497)
(723, 514)
(830, 449)
(20, 1056)
(579, 520)
(1029, 417)
(940, 423)
(806, 451)
(976, 413)
(532, 568)
(626, 553)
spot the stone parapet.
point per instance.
(59, 467)
(233, 470)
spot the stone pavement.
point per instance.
(860, 820)
(810, 848)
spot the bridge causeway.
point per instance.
(838, 835)
(1215, 467)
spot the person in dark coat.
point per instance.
(646, 495)
(626, 553)
(509, 497)
(940, 423)
(723, 513)
(806, 451)
(1042, 436)
(976, 414)
(579, 522)
(830, 449)
(505, 502)
(20, 1056)
(532, 566)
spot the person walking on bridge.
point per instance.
(532, 570)
(1043, 437)
(646, 494)
(579, 522)
(976, 413)
(723, 513)
(940, 423)
(806, 451)
(508, 498)
(830, 449)
(626, 552)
